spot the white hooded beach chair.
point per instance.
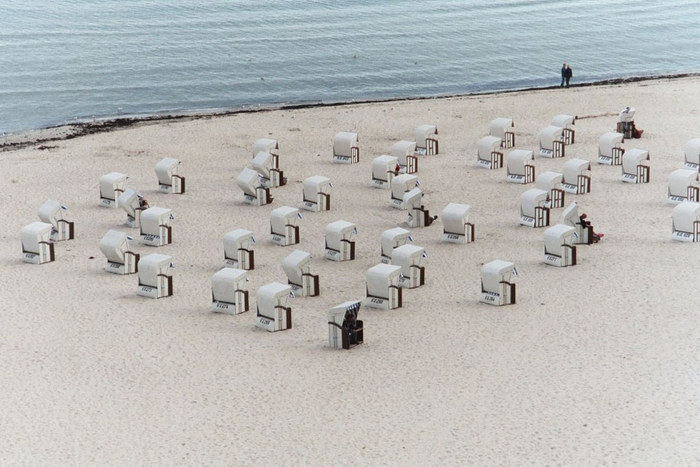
(401, 185)
(344, 329)
(37, 247)
(577, 178)
(426, 140)
(383, 289)
(238, 250)
(272, 313)
(520, 165)
(496, 285)
(155, 276)
(418, 216)
(254, 192)
(559, 249)
(270, 146)
(405, 152)
(297, 267)
(270, 175)
(384, 168)
(683, 186)
(566, 122)
(571, 217)
(635, 166)
(155, 226)
(340, 243)
(410, 257)
(552, 183)
(552, 142)
(533, 208)
(129, 201)
(692, 154)
(229, 291)
(346, 149)
(625, 124)
(283, 226)
(111, 187)
(120, 259)
(610, 148)
(489, 154)
(393, 238)
(456, 223)
(504, 129)
(317, 193)
(169, 178)
(54, 213)
(686, 222)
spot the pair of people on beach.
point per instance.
(566, 74)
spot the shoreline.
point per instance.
(39, 136)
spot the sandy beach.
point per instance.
(595, 364)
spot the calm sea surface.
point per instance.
(73, 60)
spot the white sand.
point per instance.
(595, 364)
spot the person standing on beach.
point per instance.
(569, 73)
(563, 75)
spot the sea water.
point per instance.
(77, 60)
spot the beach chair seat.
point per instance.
(418, 216)
(391, 239)
(297, 267)
(229, 291)
(316, 193)
(456, 223)
(577, 178)
(112, 185)
(155, 226)
(155, 276)
(497, 287)
(552, 183)
(344, 329)
(520, 166)
(37, 247)
(270, 175)
(272, 313)
(427, 140)
(559, 249)
(238, 249)
(401, 185)
(411, 258)
(54, 213)
(686, 222)
(383, 289)
(504, 129)
(405, 152)
(384, 168)
(692, 154)
(635, 166)
(169, 178)
(254, 193)
(120, 259)
(625, 123)
(130, 202)
(489, 154)
(340, 243)
(610, 148)
(566, 122)
(283, 228)
(533, 208)
(270, 146)
(346, 149)
(552, 142)
(683, 186)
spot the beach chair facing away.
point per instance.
(551, 182)
(504, 129)
(393, 238)
(346, 149)
(456, 224)
(496, 285)
(270, 146)
(37, 247)
(340, 244)
(52, 212)
(405, 152)
(635, 166)
(683, 186)
(254, 192)
(520, 165)
(400, 186)
(577, 178)
(489, 154)
(426, 140)
(272, 313)
(692, 154)
(686, 222)
(566, 122)
(111, 187)
(283, 226)
(533, 208)
(384, 168)
(130, 202)
(238, 250)
(410, 258)
(625, 124)
(316, 193)
(120, 260)
(229, 291)
(571, 218)
(155, 226)
(610, 148)
(155, 276)
(297, 267)
(418, 216)
(270, 175)
(552, 142)
(344, 329)
(559, 249)
(383, 289)
(169, 178)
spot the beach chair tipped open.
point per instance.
(552, 142)
(120, 259)
(283, 225)
(272, 313)
(551, 182)
(405, 152)
(692, 154)
(340, 243)
(155, 226)
(383, 289)
(635, 166)
(489, 153)
(297, 267)
(344, 329)
(111, 187)
(411, 258)
(559, 249)
(155, 276)
(571, 217)
(504, 129)
(316, 193)
(169, 178)
(520, 165)
(427, 140)
(610, 148)
(686, 222)
(346, 148)
(384, 168)
(54, 213)
(270, 175)
(37, 247)
(391, 239)
(418, 216)
(229, 291)
(566, 122)
(270, 146)
(238, 250)
(130, 202)
(254, 192)
(534, 210)
(625, 123)
(497, 287)
(456, 223)
(683, 186)
(401, 185)
(577, 178)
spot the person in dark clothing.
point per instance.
(585, 223)
(568, 73)
(563, 74)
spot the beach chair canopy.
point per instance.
(406, 256)
(237, 239)
(129, 201)
(153, 265)
(226, 281)
(35, 233)
(283, 216)
(401, 149)
(110, 182)
(627, 114)
(153, 218)
(343, 143)
(680, 179)
(563, 120)
(487, 145)
(573, 168)
(314, 185)
(337, 231)
(570, 215)
(423, 132)
(383, 164)
(499, 126)
(51, 211)
(166, 168)
(392, 238)
(401, 184)
(454, 217)
(549, 135)
(494, 272)
(249, 180)
(412, 199)
(632, 158)
(556, 236)
(270, 296)
(337, 313)
(262, 163)
(608, 141)
(548, 180)
(517, 159)
(296, 264)
(685, 215)
(380, 277)
(265, 145)
(692, 151)
(114, 245)
(532, 198)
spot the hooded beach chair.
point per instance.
(169, 178)
(297, 267)
(504, 129)
(283, 228)
(426, 140)
(272, 313)
(37, 247)
(229, 291)
(577, 178)
(520, 166)
(383, 289)
(112, 185)
(346, 149)
(120, 259)
(497, 287)
(238, 250)
(489, 153)
(405, 152)
(610, 148)
(559, 249)
(533, 208)
(344, 329)
(635, 166)
(551, 182)
(155, 276)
